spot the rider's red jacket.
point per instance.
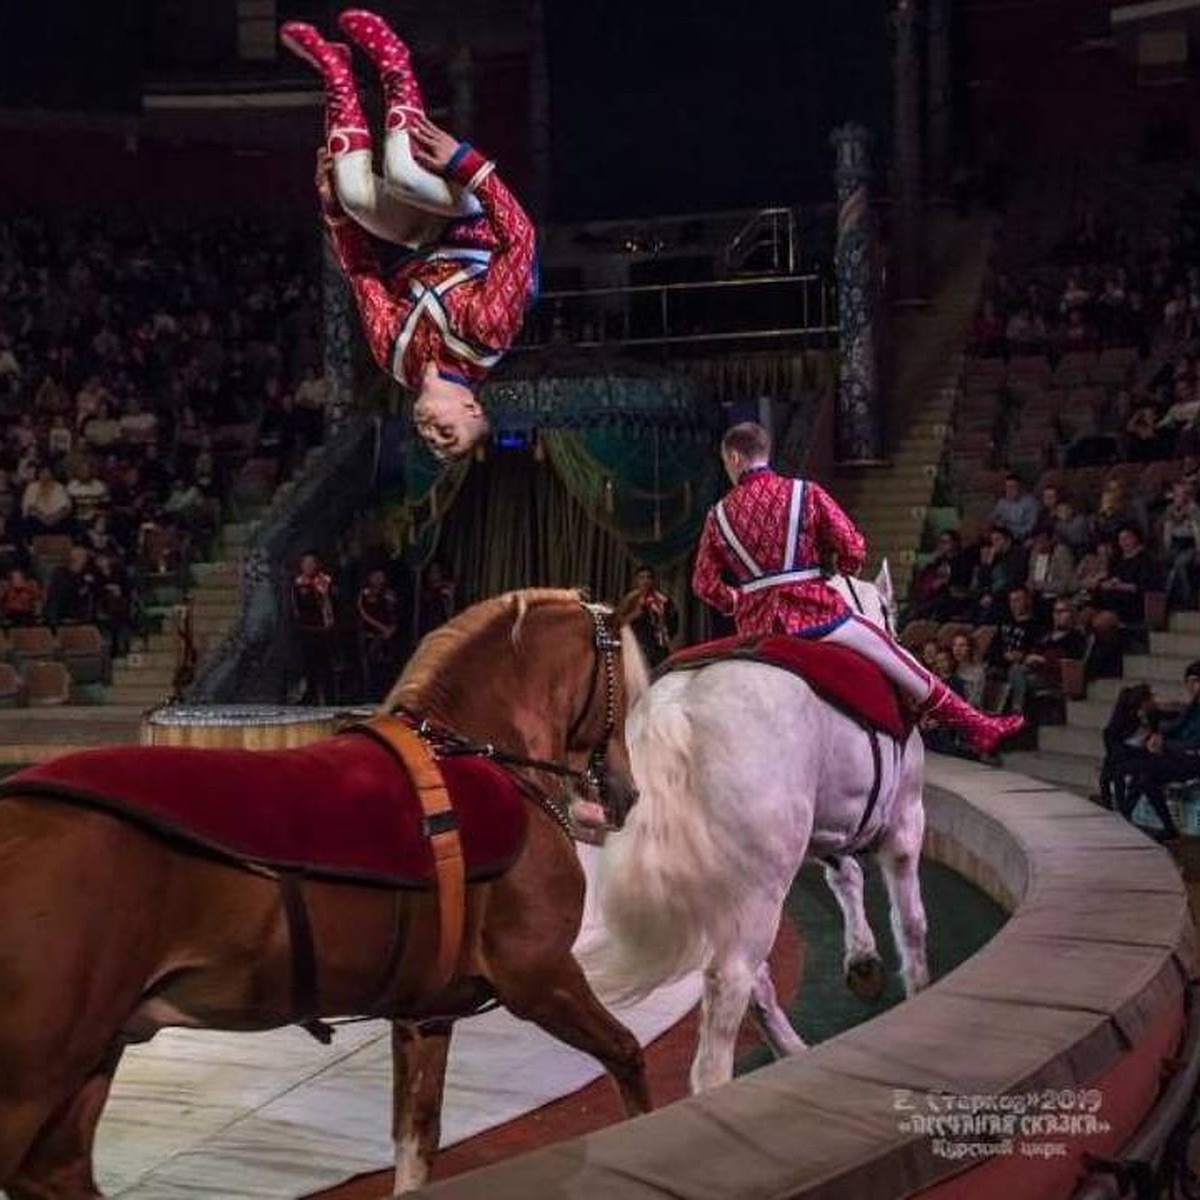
(761, 553)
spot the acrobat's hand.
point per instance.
(330, 205)
(433, 148)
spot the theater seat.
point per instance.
(47, 684)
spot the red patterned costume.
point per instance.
(456, 298)
(770, 535)
(458, 304)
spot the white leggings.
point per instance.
(892, 659)
(408, 205)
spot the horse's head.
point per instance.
(875, 601)
(540, 673)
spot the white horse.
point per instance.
(743, 772)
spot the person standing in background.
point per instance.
(312, 613)
(651, 615)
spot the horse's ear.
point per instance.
(883, 584)
(637, 674)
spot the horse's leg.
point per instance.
(59, 1163)
(418, 1077)
(728, 982)
(865, 974)
(563, 1004)
(772, 1022)
(899, 854)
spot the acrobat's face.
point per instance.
(448, 418)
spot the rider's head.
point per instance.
(744, 446)
(448, 416)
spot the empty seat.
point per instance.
(83, 653)
(47, 683)
(10, 686)
(32, 642)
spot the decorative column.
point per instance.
(907, 235)
(337, 318)
(858, 436)
(939, 85)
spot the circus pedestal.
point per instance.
(859, 432)
(242, 726)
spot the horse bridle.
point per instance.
(448, 742)
(887, 612)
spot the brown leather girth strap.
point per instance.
(305, 999)
(440, 826)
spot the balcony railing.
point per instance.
(776, 308)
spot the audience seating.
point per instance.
(31, 643)
(47, 684)
(82, 651)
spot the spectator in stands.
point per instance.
(1180, 538)
(20, 599)
(46, 505)
(942, 588)
(1015, 639)
(88, 494)
(103, 430)
(436, 598)
(1143, 439)
(1174, 753)
(378, 611)
(59, 439)
(71, 597)
(968, 669)
(1071, 527)
(1130, 725)
(138, 427)
(1133, 574)
(1051, 569)
(1116, 512)
(114, 603)
(313, 615)
(935, 736)
(1016, 510)
(651, 614)
(1043, 665)
(1003, 566)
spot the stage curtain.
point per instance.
(515, 524)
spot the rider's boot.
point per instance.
(983, 732)
(346, 128)
(392, 59)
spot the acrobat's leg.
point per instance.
(403, 175)
(360, 191)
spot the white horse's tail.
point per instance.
(661, 878)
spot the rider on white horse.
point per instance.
(772, 534)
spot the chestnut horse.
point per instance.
(108, 933)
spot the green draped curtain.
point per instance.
(516, 524)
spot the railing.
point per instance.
(665, 315)
(769, 235)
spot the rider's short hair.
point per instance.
(748, 439)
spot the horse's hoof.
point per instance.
(866, 978)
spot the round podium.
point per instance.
(243, 726)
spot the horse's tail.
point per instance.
(660, 878)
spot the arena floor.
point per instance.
(277, 1115)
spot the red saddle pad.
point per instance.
(845, 679)
(342, 808)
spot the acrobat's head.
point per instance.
(448, 416)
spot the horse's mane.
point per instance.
(439, 648)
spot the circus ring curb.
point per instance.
(1085, 989)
